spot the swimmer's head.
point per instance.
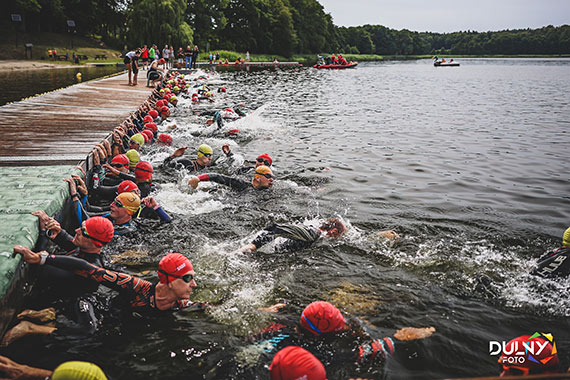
(143, 171)
(76, 370)
(566, 238)
(294, 363)
(172, 266)
(333, 227)
(322, 317)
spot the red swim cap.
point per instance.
(153, 113)
(126, 187)
(143, 171)
(161, 61)
(165, 139)
(158, 104)
(545, 361)
(233, 132)
(100, 230)
(147, 119)
(151, 126)
(267, 157)
(164, 109)
(147, 133)
(322, 317)
(295, 363)
(173, 266)
(120, 159)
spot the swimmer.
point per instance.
(203, 159)
(299, 237)
(557, 262)
(262, 179)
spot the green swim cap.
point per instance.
(138, 138)
(78, 371)
(205, 149)
(566, 238)
(134, 157)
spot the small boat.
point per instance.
(445, 64)
(325, 66)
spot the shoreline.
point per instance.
(21, 65)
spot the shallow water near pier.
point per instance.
(468, 164)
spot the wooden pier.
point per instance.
(62, 127)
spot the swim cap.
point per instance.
(147, 133)
(322, 317)
(138, 139)
(120, 159)
(78, 371)
(164, 109)
(147, 119)
(233, 132)
(161, 61)
(130, 201)
(158, 105)
(151, 126)
(153, 113)
(100, 230)
(262, 169)
(176, 88)
(265, 156)
(173, 100)
(544, 361)
(165, 139)
(566, 238)
(204, 149)
(143, 171)
(133, 156)
(126, 187)
(296, 363)
(175, 264)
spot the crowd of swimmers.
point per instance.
(115, 193)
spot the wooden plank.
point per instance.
(60, 126)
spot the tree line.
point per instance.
(282, 27)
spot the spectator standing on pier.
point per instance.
(195, 54)
(188, 54)
(171, 56)
(144, 56)
(165, 55)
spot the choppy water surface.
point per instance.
(20, 84)
(469, 165)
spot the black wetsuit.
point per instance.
(299, 237)
(183, 163)
(62, 282)
(134, 292)
(554, 264)
(234, 183)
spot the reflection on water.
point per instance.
(467, 164)
(20, 84)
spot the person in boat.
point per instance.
(557, 262)
(298, 237)
(262, 179)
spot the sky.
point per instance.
(449, 15)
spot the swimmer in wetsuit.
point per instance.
(298, 237)
(557, 262)
(262, 179)
(204, 159)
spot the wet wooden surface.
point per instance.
(62, 127)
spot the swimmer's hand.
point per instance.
(28, 255)
(226, 149)
(273, 308)
(12, 370)
(248, 248)
(414, 333)
(193, 182)
(388, 234)
(179, 152)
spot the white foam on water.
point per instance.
(171, 198)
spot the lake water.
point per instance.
(20, 84)
(468, 164)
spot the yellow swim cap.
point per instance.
(134, 157)
(78, 371)
(130, 201)
(138, 138)
(566, 238)
(205, 150)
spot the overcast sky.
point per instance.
(449, 15)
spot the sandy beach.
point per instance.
(14, 65)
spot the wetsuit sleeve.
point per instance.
(164, 217)
(264, 238)
(126, 177)
(64, 241)
(375, 348)
(111, 279)
(554, 264)
(234, 183)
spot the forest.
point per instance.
(282, 27)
